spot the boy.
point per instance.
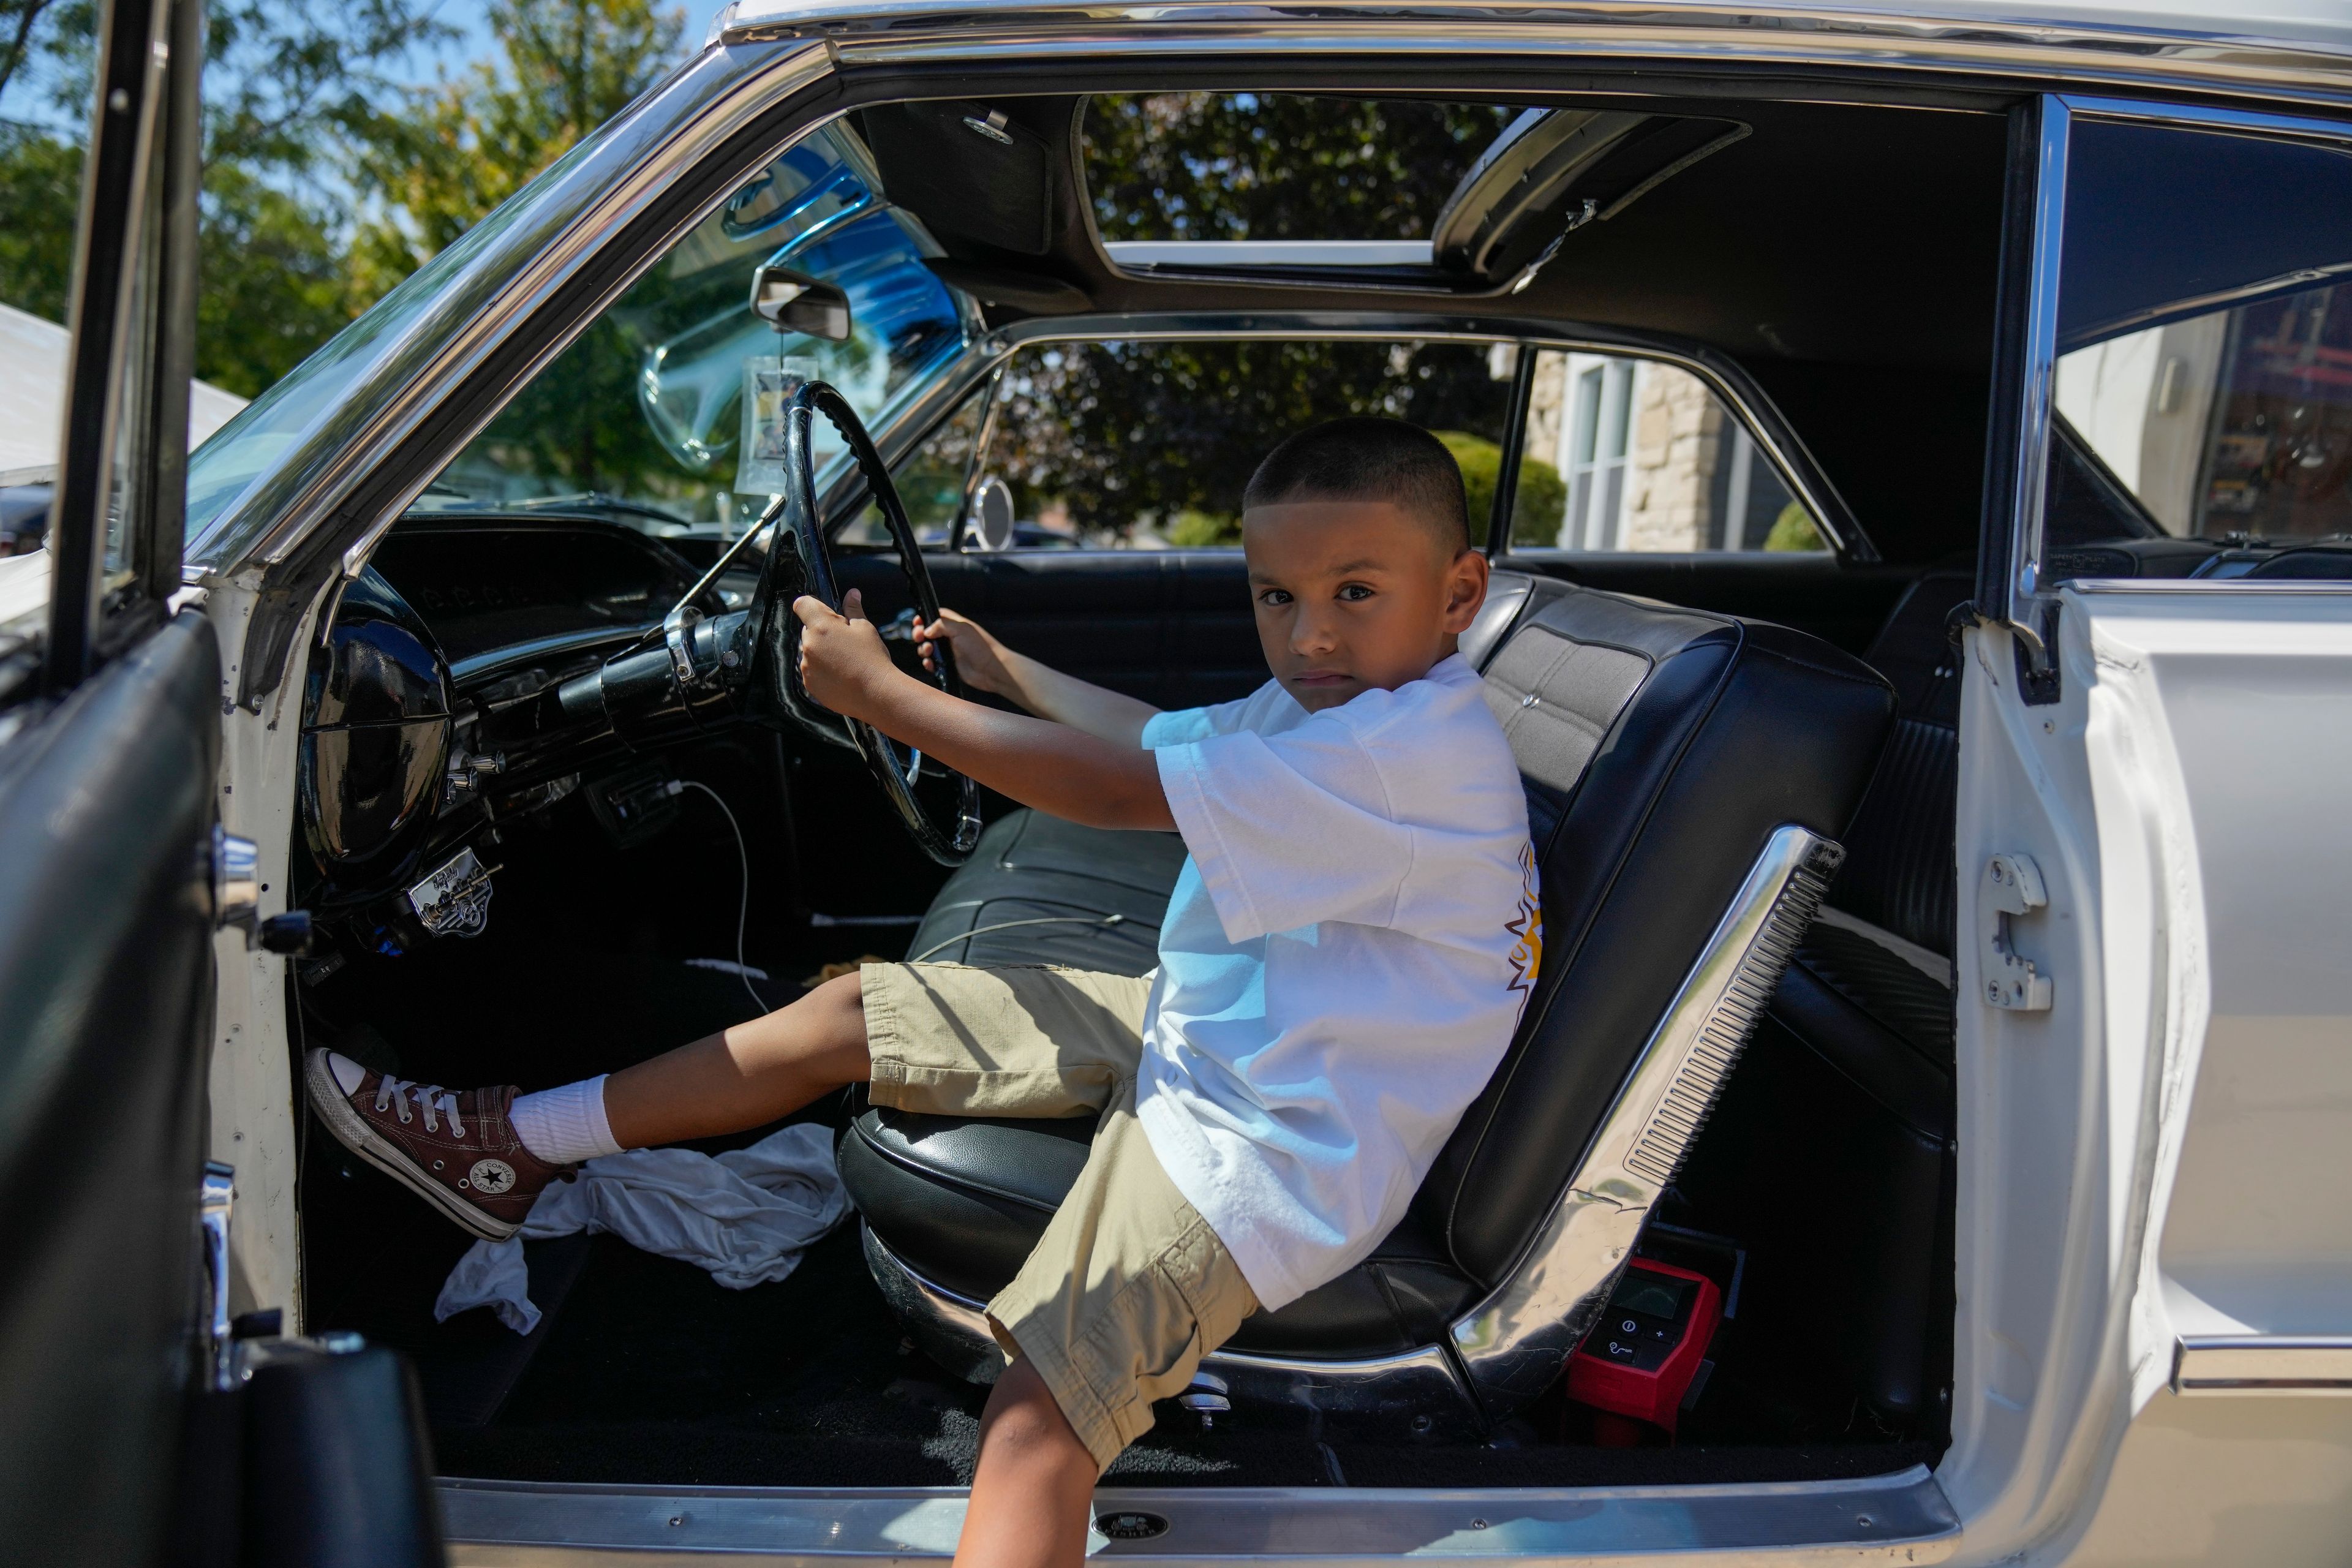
(1342, 964)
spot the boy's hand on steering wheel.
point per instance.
(979, 658)
(843, 661)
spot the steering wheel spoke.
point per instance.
(945, 820)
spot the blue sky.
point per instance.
(474, 41)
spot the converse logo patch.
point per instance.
(491, 1177)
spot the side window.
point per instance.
(644, 416)
(1624, 453)
(2202, 380)
(1149, 445)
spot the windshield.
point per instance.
(645, 417)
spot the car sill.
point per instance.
(1902, 1517)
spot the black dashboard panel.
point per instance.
(489, 583)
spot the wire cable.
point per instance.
(1104, 921)
(743, 908)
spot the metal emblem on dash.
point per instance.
(456, 899)
(492, 1177)
(1131, 1524)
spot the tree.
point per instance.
(285, 87)
(566, 68)
(459, 150)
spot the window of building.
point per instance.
(1630, 454)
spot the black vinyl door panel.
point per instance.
(1171, 627)
(106, 989)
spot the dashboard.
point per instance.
(429, 715)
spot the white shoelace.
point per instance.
(394, 1094)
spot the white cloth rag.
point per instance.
(746, 1215)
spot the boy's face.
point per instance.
(1353, 594)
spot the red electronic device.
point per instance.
(1640, 1358)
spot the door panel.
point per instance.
(106, 979)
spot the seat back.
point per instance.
(1660, 748)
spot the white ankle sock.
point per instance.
(564, 1125)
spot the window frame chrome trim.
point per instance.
(2151, 51)
(1775, 438)
(2024, 602)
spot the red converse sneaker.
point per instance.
(457, 1151)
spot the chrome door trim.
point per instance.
(1418, 1393)
(2024, 601)
(2136, 50)
(1514, 1343)
(2272, 1364)
(1901, 1517)
(2018, 601)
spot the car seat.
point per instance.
(1688, 774)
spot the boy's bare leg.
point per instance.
(744, 1076)
(1034, 1486)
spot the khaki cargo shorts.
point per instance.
(1129, 1287)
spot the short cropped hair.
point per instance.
(1363, 459)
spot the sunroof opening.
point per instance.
(1226, 166)
(1431, 193)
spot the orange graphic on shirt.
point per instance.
(1527, 954)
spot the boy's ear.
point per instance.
(1466, 590)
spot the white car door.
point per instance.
(2155, 1005)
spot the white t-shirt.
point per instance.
(1343, 965)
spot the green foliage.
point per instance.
(1200, 529)
(1121, 431)
(40, 190)
(456, 150)
(1542, 494)
(1246, 165)
(1793, 530)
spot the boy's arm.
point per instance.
(989, 665)
(1057, 768)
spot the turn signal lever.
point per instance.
(696, 658)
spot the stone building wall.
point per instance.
(1677, 438)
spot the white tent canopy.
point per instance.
(33, 395)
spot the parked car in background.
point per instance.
(1912, 440)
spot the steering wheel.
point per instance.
(943, 816)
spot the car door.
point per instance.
(107, 892)
(132, 1429)
(2156, 1089)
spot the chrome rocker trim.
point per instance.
(2270, 1365)
(1512, 1345)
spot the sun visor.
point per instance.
(966, 169)
(1555, 170)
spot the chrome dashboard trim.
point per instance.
(1514, 1343)
(2272, 1364)
(1902, 1517)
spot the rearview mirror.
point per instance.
(990, 524)
(794, 301)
